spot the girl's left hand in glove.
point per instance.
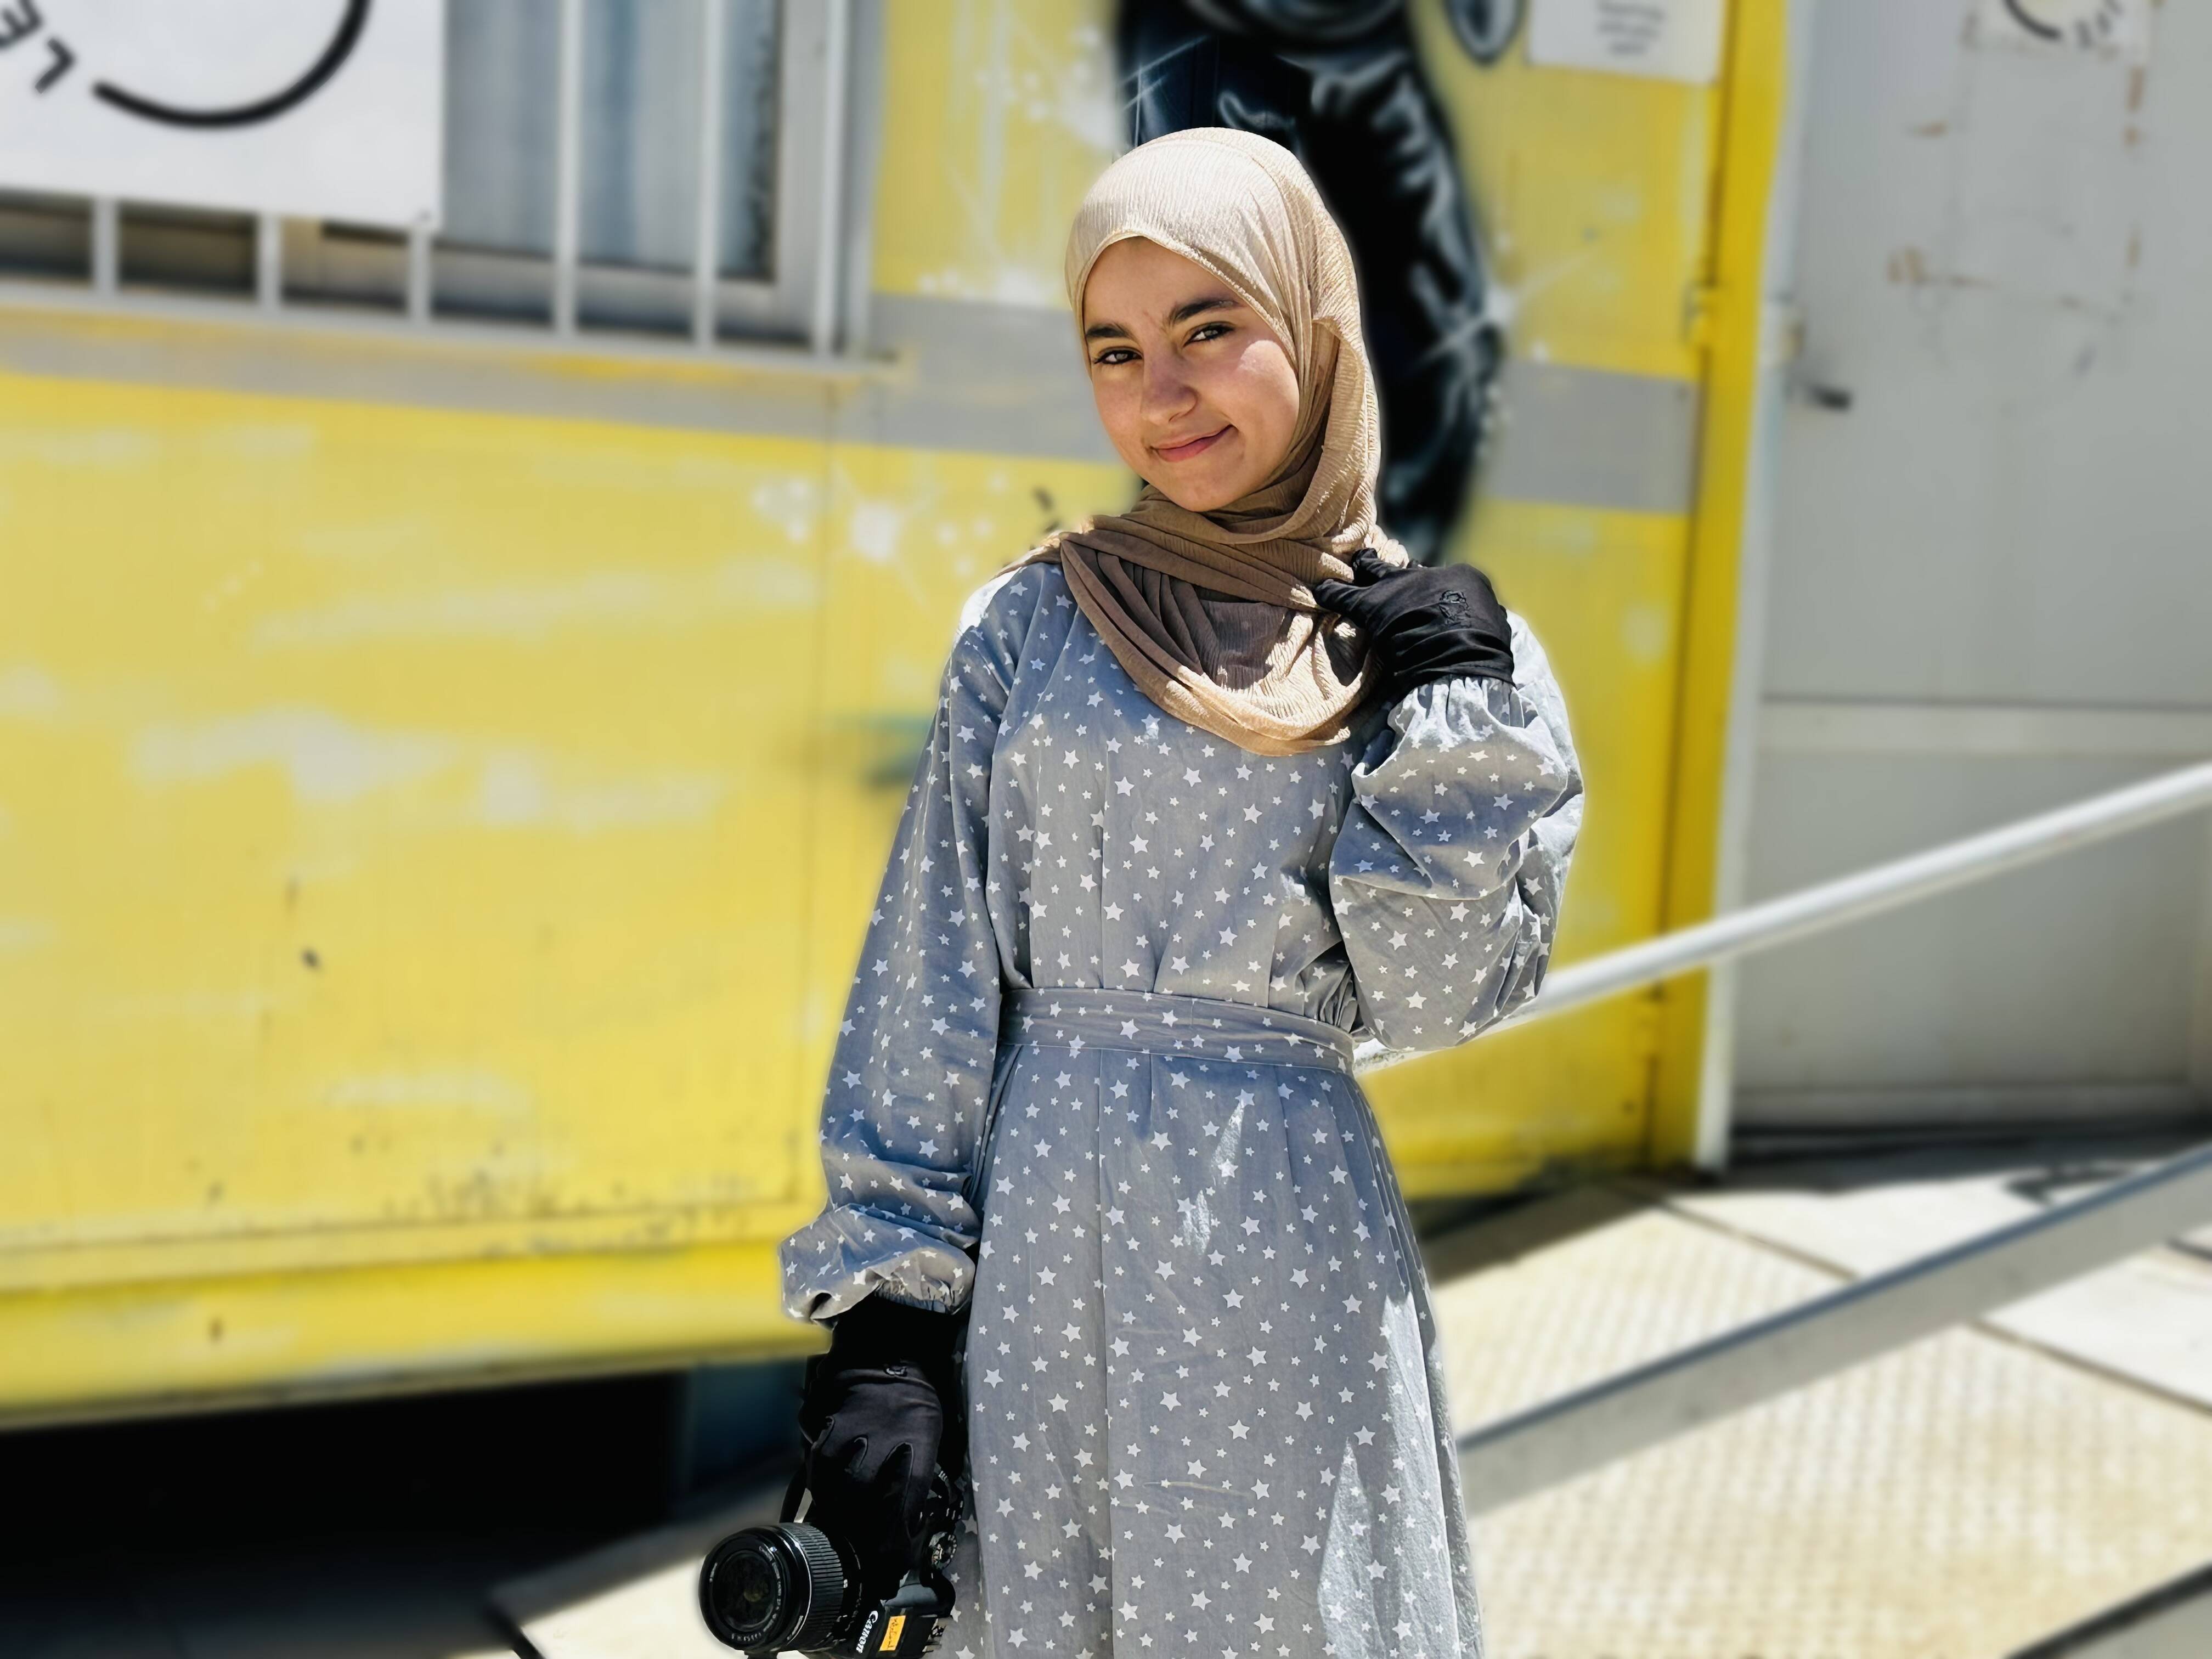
(1423, 622)
(881, 1411)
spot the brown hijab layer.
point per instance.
(1213, 614)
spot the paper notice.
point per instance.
(1667, 40)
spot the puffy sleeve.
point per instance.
(1446, 875)
(903, 1119)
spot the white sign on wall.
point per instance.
(1667, 39)
(325, 109)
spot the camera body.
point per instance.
(793, 1588)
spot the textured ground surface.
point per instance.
(1954, 1500)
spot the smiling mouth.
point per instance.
(1184, 452)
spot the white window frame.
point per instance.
(590, 305)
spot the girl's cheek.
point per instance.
(1114, 412)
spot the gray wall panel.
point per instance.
(2005, 260)
(2001, 256)
(2079, 969)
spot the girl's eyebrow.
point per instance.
(1182, 313)
(1190, 308)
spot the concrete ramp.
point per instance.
(2174, 1621)
(1959, 1498)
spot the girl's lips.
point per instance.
(1196, 446)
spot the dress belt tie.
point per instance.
(1162, 1024)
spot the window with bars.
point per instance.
(611, 167)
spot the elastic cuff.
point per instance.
(1485, 669)
(876, 1331)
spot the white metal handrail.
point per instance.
(1867, 893)
(1580, 1430)
(1575, 1432)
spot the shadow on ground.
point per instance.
(358, 1531)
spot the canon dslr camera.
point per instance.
(793, 1588)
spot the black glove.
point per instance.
(1423, 622)
(882, 1410)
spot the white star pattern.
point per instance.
(1199, 1406)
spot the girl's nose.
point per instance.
(1167, 388)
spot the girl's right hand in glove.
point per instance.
(882, 1410)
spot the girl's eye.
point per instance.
(1208, 331)
(1114, 357)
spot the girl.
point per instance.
(1216, 787)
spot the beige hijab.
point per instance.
(1213, 614)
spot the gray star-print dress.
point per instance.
(1094, 1078)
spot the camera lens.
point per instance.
(769, 1588)
(756, 1587)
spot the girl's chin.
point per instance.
(1195, 497)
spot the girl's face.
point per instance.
(1197, 393)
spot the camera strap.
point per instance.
(794, 1492)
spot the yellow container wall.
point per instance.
(407, 820)
(435, 837)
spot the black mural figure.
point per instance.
(1339, 83)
